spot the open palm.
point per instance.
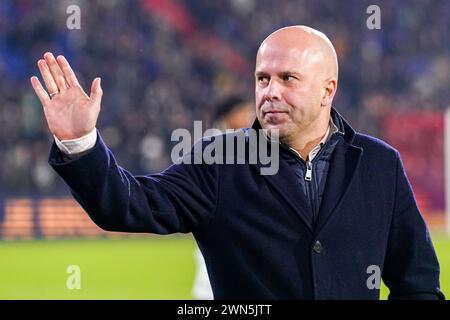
(69, 111)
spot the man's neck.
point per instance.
(308, 141)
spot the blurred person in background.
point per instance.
(232, 113)
(339, 205)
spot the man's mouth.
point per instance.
(273, 112)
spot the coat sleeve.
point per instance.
(179, 199)
(411, 268)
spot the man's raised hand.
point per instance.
(70, 113)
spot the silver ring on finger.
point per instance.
(53, 94)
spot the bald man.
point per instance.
(296, 79)
(337, 216)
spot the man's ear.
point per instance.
(328, 91)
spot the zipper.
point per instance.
(308, 174)
(309, 165)
(310, 187)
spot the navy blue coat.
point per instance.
(252, 230)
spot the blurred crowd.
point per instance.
(166, 63)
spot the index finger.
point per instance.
(67, 70)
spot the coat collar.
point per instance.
(345, 160)
(343, 126)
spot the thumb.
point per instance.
(96, 90)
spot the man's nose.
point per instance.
(273, 91)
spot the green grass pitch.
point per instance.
(154, 267)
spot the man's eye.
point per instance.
(263, 80)
(288, 78)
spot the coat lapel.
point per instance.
(343, 165)
(285, 184)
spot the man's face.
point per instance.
(288, 89)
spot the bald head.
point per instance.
(313, 48)
(295, 82)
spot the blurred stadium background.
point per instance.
(166, 63)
